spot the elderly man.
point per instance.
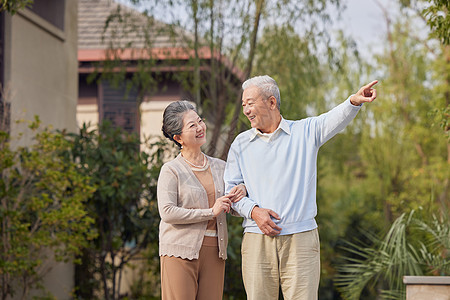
(277, 161)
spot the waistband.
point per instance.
(210, 232)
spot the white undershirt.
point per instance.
(266, 137)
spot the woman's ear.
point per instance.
(178, 139)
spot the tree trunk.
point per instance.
(260, 4)
(218, 121)
(84, 276)
(198, 99)
(443, 198)
(104, 277)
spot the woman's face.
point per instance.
(193, 133)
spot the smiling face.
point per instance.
(262, 112)
(193, 134)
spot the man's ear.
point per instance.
(273, 102)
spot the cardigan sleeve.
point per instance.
(167, 194)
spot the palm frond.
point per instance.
(397, 254)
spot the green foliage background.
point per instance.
(383, 184)
(123, 205)
(42, 210)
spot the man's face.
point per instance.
(258, 110)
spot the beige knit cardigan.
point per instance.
(184, 209)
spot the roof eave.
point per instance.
(169, 53)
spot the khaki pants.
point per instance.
(292, 261)
(201, 279)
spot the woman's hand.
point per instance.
(237, 192)
(222, 204)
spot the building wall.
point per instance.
(427, 287)
(41, 68)
(87, 114)
(423, 292)
(40, 77)
(150, 116)
(150, 110)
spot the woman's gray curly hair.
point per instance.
(173, 118)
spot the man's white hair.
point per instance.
(266, 84)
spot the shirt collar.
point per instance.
(282, 126)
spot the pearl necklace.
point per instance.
(203, 167)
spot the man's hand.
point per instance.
(237, 192)
(365, 94)
(262, 218)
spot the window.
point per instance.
(5, 115)
(2, 49)
(120, 106)
(50, 10)
(5, 107)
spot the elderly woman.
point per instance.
(192, 205)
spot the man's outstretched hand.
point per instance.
(365, 94)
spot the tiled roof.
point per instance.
(132, 30)
(136, 35)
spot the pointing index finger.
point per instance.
(371, 84)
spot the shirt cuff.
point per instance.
(244, 207)
(350, 102)
(249, 214)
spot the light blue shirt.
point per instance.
(280, 171)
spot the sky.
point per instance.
(365, 22)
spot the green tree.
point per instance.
(147, 284)
(403, 166)
(42, 210)
(435, 13)
(414, 169)
(13, 6)
(439, 20)
(123, 206)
